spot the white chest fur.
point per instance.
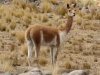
(62, 35)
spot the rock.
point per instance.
(7, 73)
(1, 72)
(47, 73)
(65, 74)
(78, 72)
(34, 71)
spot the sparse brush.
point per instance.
(43, 61)
(44, 18)
(32, 6)
(20, 36)
(97, 15)
(5, 57)
(19, 13)
(88, 16)
(13, 33)
(3, 27)
(28, 15)
(49, 24)
(25, 24)
(55, 2)
(8, 17)
(95, 60)
(61, 10)
(78, 19)
(25, 49)
(7, 67)
(13, 25)
(22, 4)
(43, 52)
(86, 65)
(69, 65)
(26, 20)
(12, 46)
(46, 7)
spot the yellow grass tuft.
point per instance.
(70, 65)
(13, 25)
(25, 49)
(55, 2)
(46, 7)
(3, 27)
(44, 18)
(43, 61)
(26, 20)
(89, 16)
(20, 36)
(61, 10)
(78, 19)
(7, 67)
(86, 65)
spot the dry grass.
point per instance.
(7, 66)
(78, 19)
(86, 65)
(24, 49)
(69, 65)
(3, 27)
(61, 10)
(13, 25)
(43, 61)
(55, 2)
(89, 16)
(44, 18)
(46, 7)
(20, 36)
(26, 20)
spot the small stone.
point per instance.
(78, 72)
(65, 74)
(47, 73)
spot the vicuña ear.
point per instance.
(74, 5)
(68, 6)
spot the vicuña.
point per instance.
(40, 35)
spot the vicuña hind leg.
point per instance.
(30, 48)
(54, 52)
(37, 51)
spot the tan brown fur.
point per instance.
(38, 35)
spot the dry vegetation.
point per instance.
(80, 51)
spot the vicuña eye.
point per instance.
(69, 10)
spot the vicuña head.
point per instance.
(41, 35)
(71, 9)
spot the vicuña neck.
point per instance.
(68, 24)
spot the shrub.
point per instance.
(46, 7)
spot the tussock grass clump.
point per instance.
(8, 17)
(26, 20)
(20, 36)
(88, 16)
(69, 65)
(46, 7)
(25, 49)
(44, 18)
(61, 10)
(32, 6)
(78, 19)
(97, 15)
(7, 66)
(86, 65)
(55, 2)
(49, 24)
(3, 27)
(43, 61)
(13, 25)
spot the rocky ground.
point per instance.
(79, 52)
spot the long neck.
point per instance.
(68, 24)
